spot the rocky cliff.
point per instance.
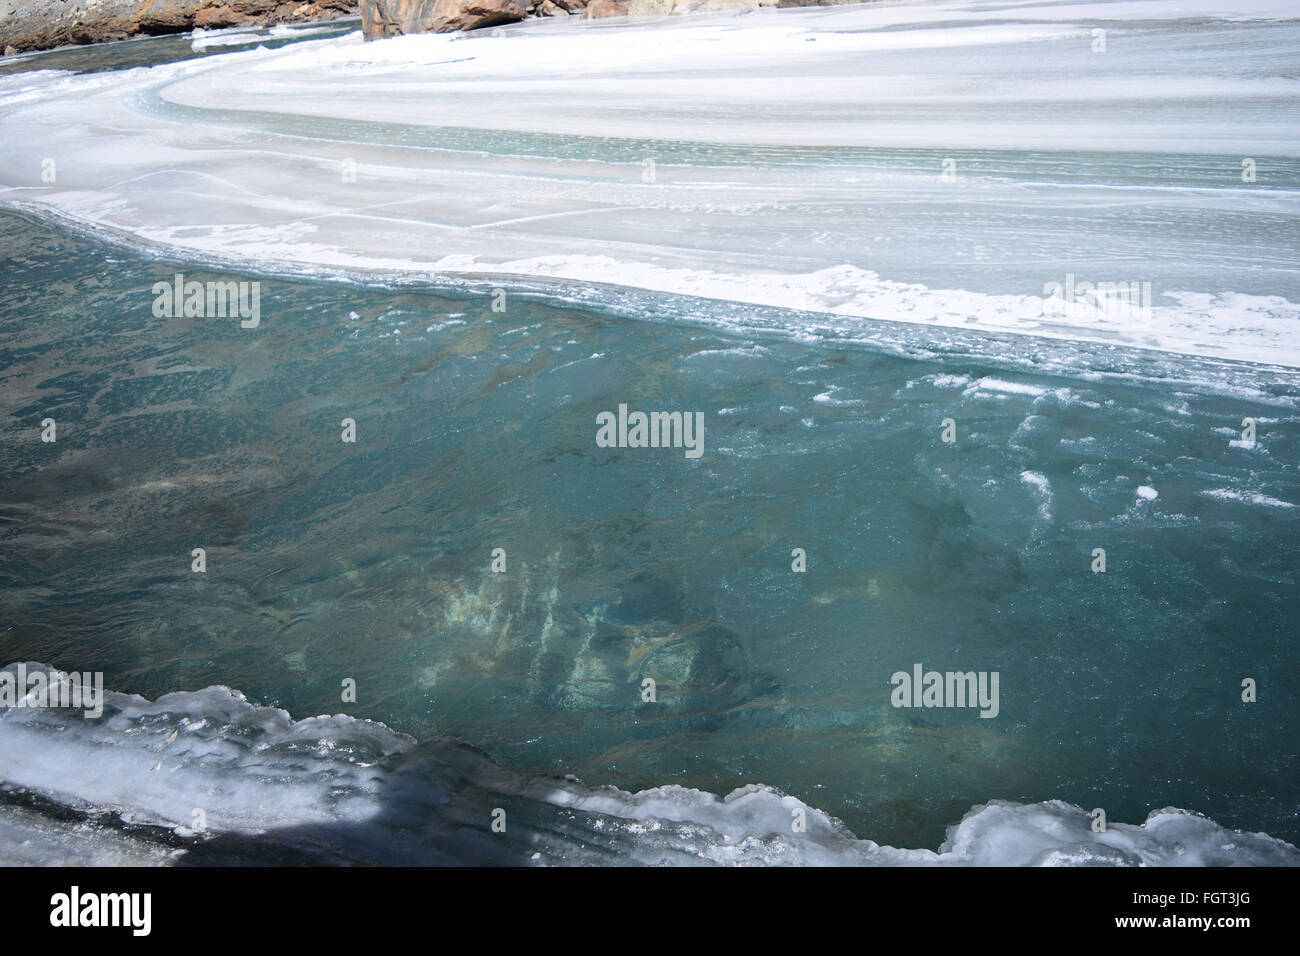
(41, 24)
(382, 18)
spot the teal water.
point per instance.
(171, 48)
(476, 430)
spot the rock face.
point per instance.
(599, 9)
(659, 8)
(42, 24)
(386, 18)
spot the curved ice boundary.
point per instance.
(790, 159)
(207, 777)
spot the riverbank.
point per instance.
(30, 25)
(27, 25)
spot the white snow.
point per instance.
(492, 153)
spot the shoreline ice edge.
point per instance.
(346, 789)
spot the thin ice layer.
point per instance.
(940, 164)
(237, 781)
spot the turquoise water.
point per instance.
(153, 50)
(476, 430)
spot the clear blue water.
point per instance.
(476, 430)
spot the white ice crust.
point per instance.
(421, 155)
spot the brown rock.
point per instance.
(386, 18)
(41, 24)
(211, 18)
(599, 9)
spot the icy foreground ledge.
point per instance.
(936, 163)
(266, 788)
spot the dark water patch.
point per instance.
(372, 560)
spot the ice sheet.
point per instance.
(937, 163)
